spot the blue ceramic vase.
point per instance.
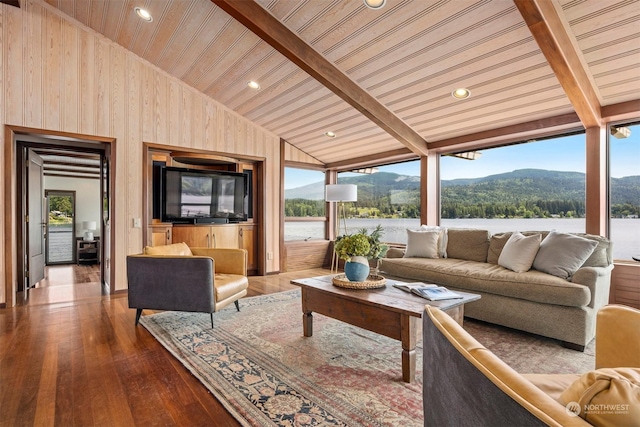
(357, 270)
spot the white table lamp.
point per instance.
(88, 227)
(340, 193)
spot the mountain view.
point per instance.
(521, 193)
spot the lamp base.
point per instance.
(88, 236)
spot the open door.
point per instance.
(36, 224)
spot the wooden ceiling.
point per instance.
(382, 80)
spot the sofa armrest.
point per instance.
(395, 253)
(598, 280)
(617, 337)
(227, 260)
(170, 282)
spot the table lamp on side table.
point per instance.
(88, 227)
(340, 193)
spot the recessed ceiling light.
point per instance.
(375, 4)
(144, 14)
(253, 85)
(461, 93)
(330, 134)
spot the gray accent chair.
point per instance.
(178, 278)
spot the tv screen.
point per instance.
(193, 194)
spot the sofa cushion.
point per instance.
(480, 277)
(496, 244)
(606, 397)
(173, 249)
(442, 238)
(562, 254)
(467, 244)
(519, 252)
(422, 244)
(601, 256)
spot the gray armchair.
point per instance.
(178, 278)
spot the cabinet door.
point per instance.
(159, 235)
(225, 236)
(248, 242)
(194, 236)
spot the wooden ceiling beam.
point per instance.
(275, 33)
(557, 45)
(387, 157)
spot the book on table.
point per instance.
(429, 291)
(409, 287)
(436, 294)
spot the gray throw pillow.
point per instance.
(562, 254)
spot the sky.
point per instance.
(561, 154)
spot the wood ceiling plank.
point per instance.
(199, 29)
(115, 16)
(284, 40)
(169, 21)
(556, 45)
(131, 24)
(508, 134)
(146, 33)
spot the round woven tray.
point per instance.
(373, 281)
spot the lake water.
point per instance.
(625, 233)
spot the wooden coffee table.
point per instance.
(386, 311)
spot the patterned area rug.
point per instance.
(265, 372)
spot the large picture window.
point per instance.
(304, 205)
(530, 186)
(624, 171)
(389, 196)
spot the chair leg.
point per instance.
(211, 314)
(237, 305)
(138, 314)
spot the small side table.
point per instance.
(87, 252)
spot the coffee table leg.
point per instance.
(307, 316)
(408, 325)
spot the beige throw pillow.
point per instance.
(606, 397)
(422, 244)
(174, 249)
(442, 238)
(519, 252)
(562, 254)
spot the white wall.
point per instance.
(88, 204)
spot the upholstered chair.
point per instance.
(466, 384)
(178, 278)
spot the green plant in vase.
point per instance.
(357, 249)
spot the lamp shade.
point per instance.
(89, 225)
(341, 193)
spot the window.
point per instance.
(624, 171)
(304, 205)
(389, 196)
(530, 186)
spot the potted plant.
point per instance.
(357, 249)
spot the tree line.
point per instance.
(381, 208)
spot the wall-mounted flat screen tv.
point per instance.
(196, 195)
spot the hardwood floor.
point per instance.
(80, 361)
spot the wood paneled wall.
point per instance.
(625, 284)
(60, 76)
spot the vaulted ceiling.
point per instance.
(382, 79)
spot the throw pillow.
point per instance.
(519, 252)
(174, 249)
(468, 244)
(496, 244)
(442, 238)
(422, 244)
(605, 397)
(562, 254)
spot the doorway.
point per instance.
(61, 230)
(48, 145)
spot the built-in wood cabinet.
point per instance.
(208, 236)
(160, 234)
(243, 235)
(248, 240)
